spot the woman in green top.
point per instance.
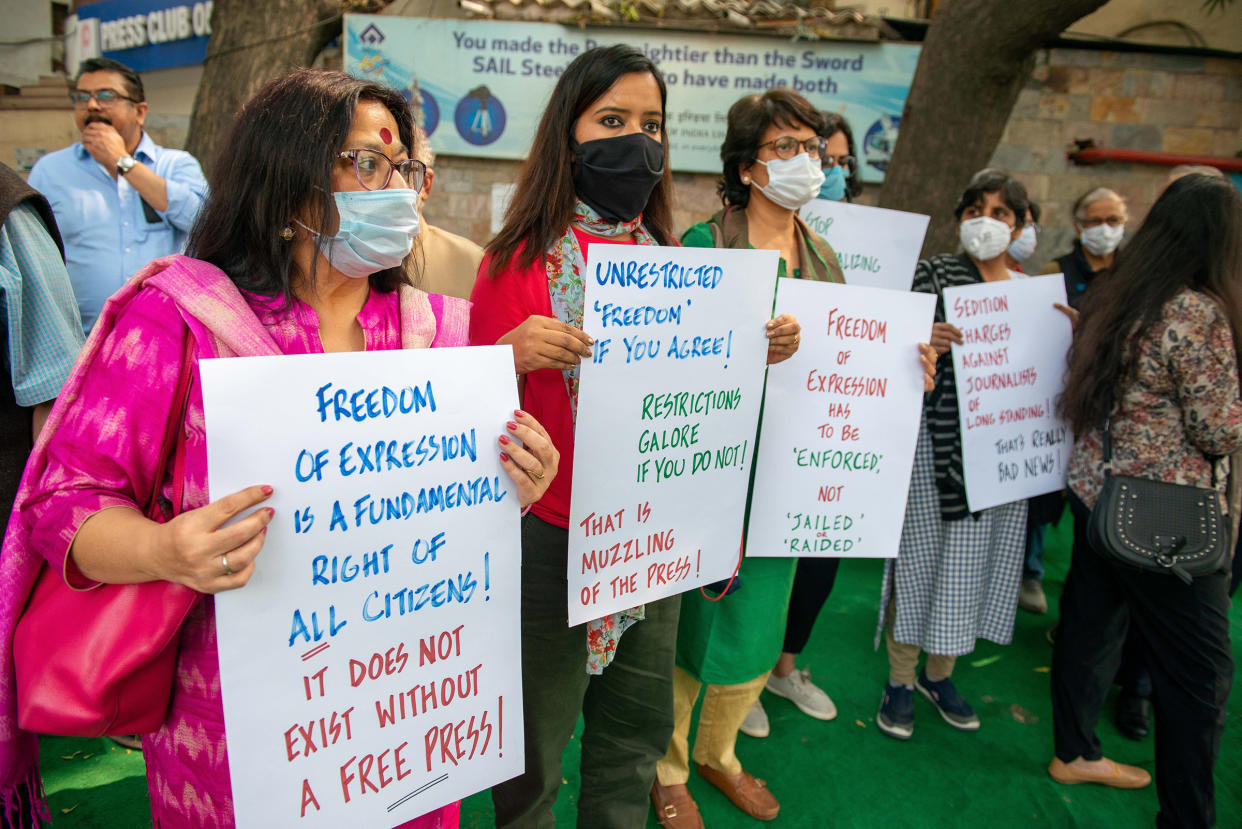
(772, 166)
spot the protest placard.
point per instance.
(840, 420)
(667, 412)
(1009, 373)
(371, 667)
(877, 247)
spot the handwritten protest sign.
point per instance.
(371, 668)
(840, 420)
(667, 411)
(877, 247)
(1009, 374)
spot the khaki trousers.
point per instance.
(903, 658)
(724, 708)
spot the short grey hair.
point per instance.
(1193, 169)
(1091, 197)
(422, 147)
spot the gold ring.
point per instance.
(224, 559)
(534, 476)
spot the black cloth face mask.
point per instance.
(615, 176)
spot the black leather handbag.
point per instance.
(1158, 526)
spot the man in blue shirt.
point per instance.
(120, 199)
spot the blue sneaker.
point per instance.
(896, 715)
(948, 702)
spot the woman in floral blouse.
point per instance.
(1156, 353)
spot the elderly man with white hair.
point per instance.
(449, 262)
(1099, 224)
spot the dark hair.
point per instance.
(992, 180)
(544, 198)
(1035, 211)
(1191, 239)
(277, 162)
(749, 117)
(834, 123)
(133, 83)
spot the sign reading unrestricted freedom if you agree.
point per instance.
(840, 419)
(1010, 372)
(667, 411)
(371, 667)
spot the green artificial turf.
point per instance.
(843, 773)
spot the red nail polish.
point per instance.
(504, 457)
(267, 490)
(270, 512)
(504, 439)
(520, 413)
(511, 425)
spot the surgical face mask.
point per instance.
(1024, 245)
(792, 182)
(1102, 239)
(984, 238)
(376, 233)
(833, 187)
(615, 176)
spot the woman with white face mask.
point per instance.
(1023, 248)
(1099, 225)
(956, 576)
(773, 155)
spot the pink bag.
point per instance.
(95, 662)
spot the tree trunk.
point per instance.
(975, 59)
(252, 41)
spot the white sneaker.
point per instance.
(756, 723)
(798, 689)
(1031, 597)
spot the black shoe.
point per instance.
(1133, 716)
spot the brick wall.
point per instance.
(1133, 100)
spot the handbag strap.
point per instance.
(174, 443)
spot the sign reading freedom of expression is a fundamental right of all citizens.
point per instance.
(667, 411)
(371, 668)
(482, 85)
(840, 420)
(1009, 374)
(877, 247)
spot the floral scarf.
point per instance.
(565, 264)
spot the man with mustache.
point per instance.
(119, 198)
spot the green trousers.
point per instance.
(627, 710)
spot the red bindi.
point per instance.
(385, 135)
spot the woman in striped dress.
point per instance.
(956, 575)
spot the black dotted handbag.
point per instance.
(1159, 526)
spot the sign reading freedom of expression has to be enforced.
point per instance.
(483, 84)
(667, 411)
(370, 669)
(840, 420)
(1009, 374)
(877, 247)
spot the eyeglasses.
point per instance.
(104, 97)
(374, 169)
(846, 161)
(787, 146)
(1111, 221)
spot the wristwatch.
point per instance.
(125, 163)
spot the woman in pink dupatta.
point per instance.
(313, 149)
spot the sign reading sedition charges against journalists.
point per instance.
(1010, 372)
(371, 667)
(667, 410)
(876, 247)
(482, 85)
(840, 420)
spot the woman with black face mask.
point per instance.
(598, 172)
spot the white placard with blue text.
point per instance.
(1009, 373)
(877, 247)
(840, 420)
(483, 84)
(667, 412)
(371, 668)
